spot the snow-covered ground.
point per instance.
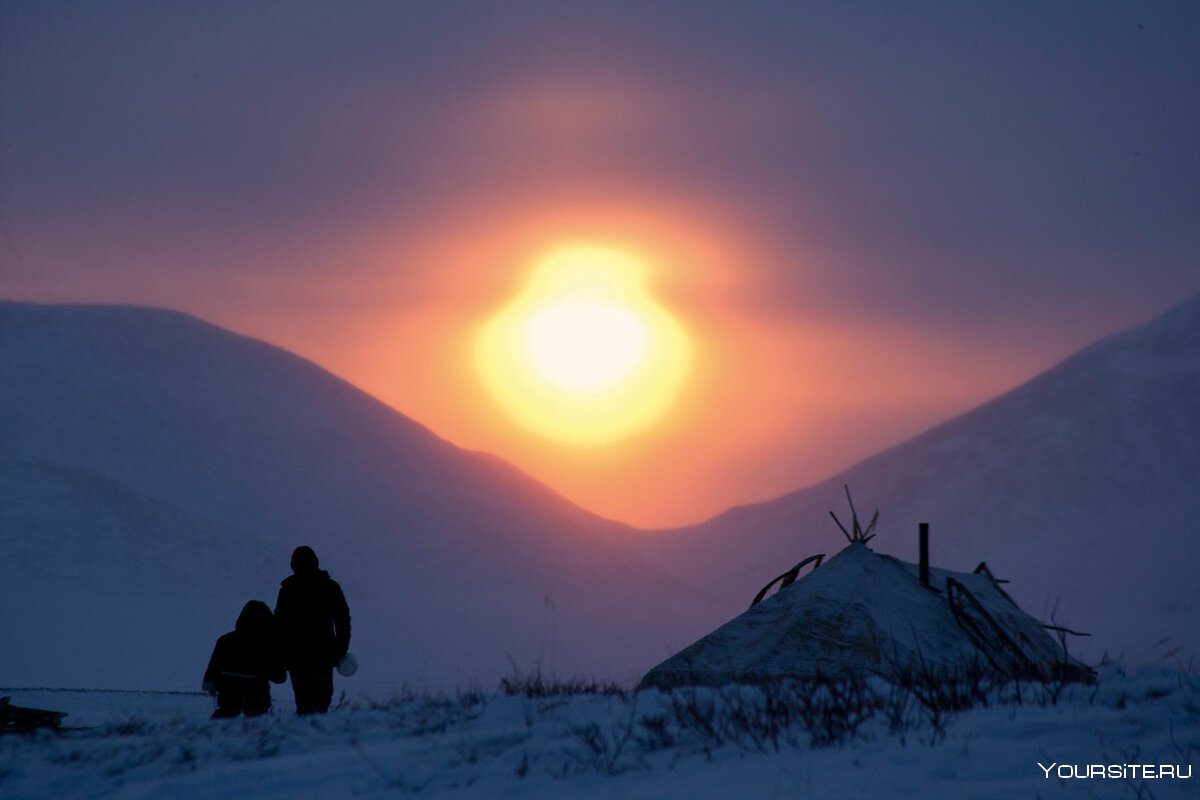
(155, 473)
(489, 744)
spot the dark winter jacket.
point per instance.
(249, 652)
(313, 619)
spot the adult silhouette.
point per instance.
(314, 626)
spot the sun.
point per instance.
(585, 344)
(584, 354)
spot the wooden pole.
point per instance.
(923, 539)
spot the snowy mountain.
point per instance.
(1082, 486)
(156, 472)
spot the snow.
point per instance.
(483, 745)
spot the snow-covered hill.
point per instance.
(1081, 486)
(156, 472)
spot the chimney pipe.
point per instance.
(923, 538)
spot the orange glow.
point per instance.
(768, 404)
(584, 355)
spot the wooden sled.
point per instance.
(17, 719)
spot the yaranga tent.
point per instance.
(867, 613)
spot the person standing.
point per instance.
(314, 624)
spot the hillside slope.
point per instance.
(1082, 486)
(156, 471)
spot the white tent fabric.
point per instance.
(864, 612)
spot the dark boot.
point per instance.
(229, 703)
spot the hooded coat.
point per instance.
(249, 652)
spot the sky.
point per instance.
(869, 217)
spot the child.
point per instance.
(242, 662)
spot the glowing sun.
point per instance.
(584, 354)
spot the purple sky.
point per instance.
(1015, 177)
